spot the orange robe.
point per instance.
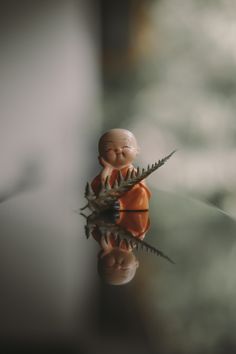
(135, 199)
(137, 223)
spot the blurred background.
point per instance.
(71, 69)
(168, 75)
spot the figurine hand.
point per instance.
(107, 171)
(104, 163)
(105, 242)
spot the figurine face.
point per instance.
(118, 258)
(118, 266)
(118, 147)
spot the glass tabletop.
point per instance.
(186, 307)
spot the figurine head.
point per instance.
(118, 147)
(117, 266)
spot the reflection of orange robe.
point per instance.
(137, 223)
(135, 199)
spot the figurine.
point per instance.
(117, 150)
(119, 185)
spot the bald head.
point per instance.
(117, 135)
(117, 266)
(118, 147)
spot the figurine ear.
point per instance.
(138, 150)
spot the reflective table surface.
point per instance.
(186, 307)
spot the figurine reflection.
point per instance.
(119, 234)
(117, 263)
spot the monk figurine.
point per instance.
(117, 150)
(120, 186)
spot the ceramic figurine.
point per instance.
(120, 185)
